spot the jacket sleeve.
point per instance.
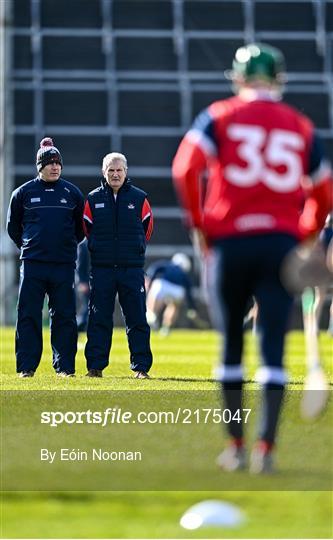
(188, 166)
(78, 213)
(147, 219)
(15, 218)
(195, 151)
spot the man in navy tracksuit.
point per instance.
(45, 222)
(118, 221)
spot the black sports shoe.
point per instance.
(94, 373)
(25, 374)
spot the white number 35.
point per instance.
(263, 151)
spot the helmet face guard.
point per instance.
(258, 61)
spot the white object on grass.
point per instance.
(212, 514)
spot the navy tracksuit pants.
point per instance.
(57, 281)
(105, 283)
(242, 268)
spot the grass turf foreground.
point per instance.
(183, 361)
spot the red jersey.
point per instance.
(255, 153)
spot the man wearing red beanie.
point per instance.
(45, 222)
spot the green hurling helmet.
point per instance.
(258, 61)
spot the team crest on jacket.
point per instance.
(63, 200)
(131, 206)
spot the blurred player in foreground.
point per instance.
(169, 285)
(313, 299)
(251, 217)
(325, 238)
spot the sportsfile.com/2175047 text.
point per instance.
(117, 415)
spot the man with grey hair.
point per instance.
(118, 221)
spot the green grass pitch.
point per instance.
(182, 361)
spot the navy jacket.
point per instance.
(117, 230)
(45, 220)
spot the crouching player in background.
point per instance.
(169, 285)
(252, 217)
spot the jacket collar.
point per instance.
(125, 187)
(46, 184)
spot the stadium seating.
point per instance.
(129, 75)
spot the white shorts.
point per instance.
(166, 292)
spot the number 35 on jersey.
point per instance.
(272, 158)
